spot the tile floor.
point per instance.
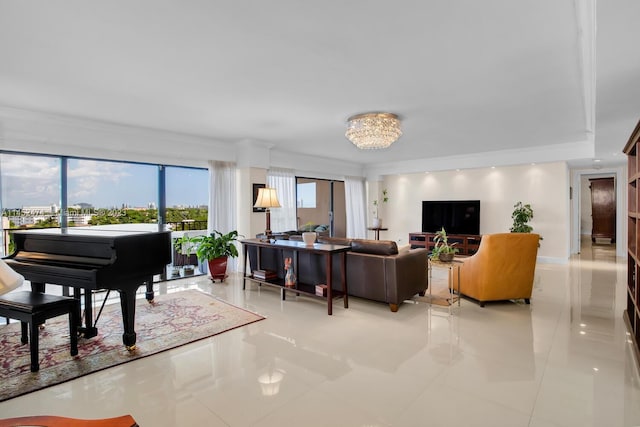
(564, 360)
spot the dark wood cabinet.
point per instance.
(467, 244)
(603, 208)
(632, 312)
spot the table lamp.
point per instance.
(9, 278)
(267, 199)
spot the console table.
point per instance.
(308, 289)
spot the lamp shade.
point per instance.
(9, 278)
(267, 198)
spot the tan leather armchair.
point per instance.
(502, 269)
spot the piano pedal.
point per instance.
(88, 332)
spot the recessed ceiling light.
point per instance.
(597, 160)
(493, 167)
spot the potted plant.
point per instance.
(216, 248)
(377, 222)
(442, 250)
(186, 246)
(521, 215)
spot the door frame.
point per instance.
(619, 175)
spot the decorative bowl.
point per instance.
(309, 237)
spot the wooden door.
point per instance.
(603, 209)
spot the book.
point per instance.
(264, 274)
(321, 290)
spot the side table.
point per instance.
(453, 288)
(377, 231)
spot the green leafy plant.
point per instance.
(441, 245)
(521, 215)
(377, 202)
(216, 245)
(185, 245)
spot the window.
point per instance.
(103, 192)
(30, 193)
(187, 197)
(306, 195)
(98, 192)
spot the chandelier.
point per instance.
(370, 131)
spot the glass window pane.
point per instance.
(187, 197)
(102, 192)
(306, 195)
(30, 193)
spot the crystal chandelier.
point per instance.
(373, 130)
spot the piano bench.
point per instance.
(32, 309)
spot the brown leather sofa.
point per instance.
(376, 269)
(502, 269)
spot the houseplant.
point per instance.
(216, 248)
(185, 246)
(521, 215)
(442, 250)
(377, 222)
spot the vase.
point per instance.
(309, 237)
(377, 223)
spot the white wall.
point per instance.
(544, 186)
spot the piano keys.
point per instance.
(93, 258)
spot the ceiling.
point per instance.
(465, 76)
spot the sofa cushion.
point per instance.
(374, 247)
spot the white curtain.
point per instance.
(222, 201)
(284, 181)
(354, 190)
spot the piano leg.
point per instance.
(128, 305)
(37, 287)
(149, 293)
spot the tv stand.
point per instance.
(467, 244)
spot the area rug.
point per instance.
(172, 320)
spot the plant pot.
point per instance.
(446, 257)
(218, 268)
(309, 237)
(377, 223)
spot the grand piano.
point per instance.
(92, 258)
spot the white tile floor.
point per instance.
(564, 360)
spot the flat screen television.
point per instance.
(456, 216)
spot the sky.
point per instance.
(35, 181)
